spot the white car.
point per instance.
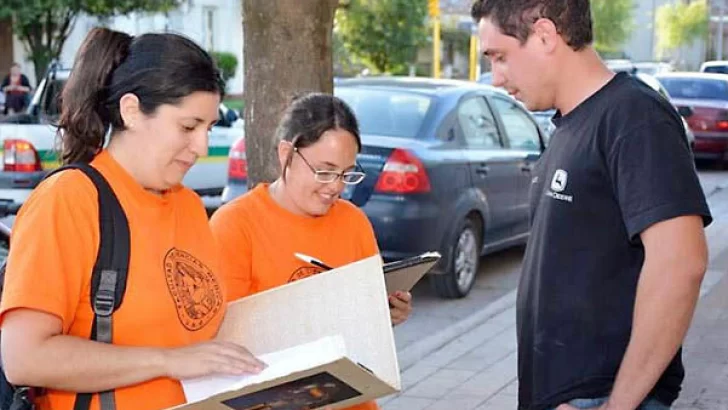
(714, 66)
(28, 143)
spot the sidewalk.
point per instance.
(472, 364)
(706, 354)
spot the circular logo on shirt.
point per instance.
(304, 272)
(194, 289)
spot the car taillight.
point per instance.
(238, 162)
(20, 156)
(403, 173)
(721, 125)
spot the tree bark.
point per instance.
(287, 50)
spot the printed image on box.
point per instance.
(304, 394)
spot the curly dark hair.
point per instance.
(515, 18)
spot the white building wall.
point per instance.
(192, 19)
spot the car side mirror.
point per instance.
(685, 111)
(532, 157)
(231, 116)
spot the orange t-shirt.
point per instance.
(258, 238)
(173, 296)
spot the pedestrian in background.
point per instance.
(16, 88)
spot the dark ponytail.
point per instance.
(158, 68)
(85, 117)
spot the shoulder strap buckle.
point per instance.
(105, 298)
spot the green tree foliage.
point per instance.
(679, 24)
(227, 63)
(44, 25)
(383, 34)
(613, 23)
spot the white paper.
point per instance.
(280, 364)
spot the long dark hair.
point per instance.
(310, 115)
(157, 68)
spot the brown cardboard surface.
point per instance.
(344, 371)
(405, 279)
(350, 302)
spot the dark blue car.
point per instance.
(448, 167)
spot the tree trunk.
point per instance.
(45, 37)
(287, 49)
(7, 55)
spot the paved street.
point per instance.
(461, 354)
(498, 276)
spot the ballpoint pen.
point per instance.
(312, 261)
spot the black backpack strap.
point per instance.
(108, 280)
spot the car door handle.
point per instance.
(526, 168)
(482, 170)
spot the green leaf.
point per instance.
(679, 24)
(613, 23)
(44, 25)
(226, 62)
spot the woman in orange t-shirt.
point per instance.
(301, 211)
(158, 95)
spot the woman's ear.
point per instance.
(285, 149)
(130, 110)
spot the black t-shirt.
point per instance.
(616, 164)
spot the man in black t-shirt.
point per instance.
(617, 252)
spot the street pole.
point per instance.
(473, 55)
(434, 12)
(721, 12)
(436, 47)
(652, 34)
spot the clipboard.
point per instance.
(403, 274)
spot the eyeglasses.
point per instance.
(327, 177)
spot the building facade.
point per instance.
(216, 25)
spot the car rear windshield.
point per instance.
(386, 112)
(720, 69)
(697, 88)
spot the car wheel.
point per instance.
(462, 268)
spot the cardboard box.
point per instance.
(328, 341)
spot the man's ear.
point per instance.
(545, 32)
(130, 110)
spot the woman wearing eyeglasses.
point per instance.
(301, 212)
